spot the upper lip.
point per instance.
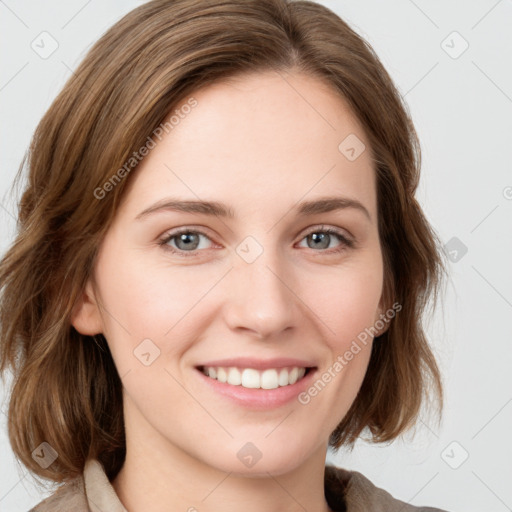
(259, 364)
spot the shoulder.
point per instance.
(91, 490)
(70, 496)
(361, 495)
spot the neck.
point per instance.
(158, 476)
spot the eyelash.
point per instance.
(346, 243)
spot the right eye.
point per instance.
(185, 241)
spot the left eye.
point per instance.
(321, 238)
(189, 241)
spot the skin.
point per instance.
(257, 145)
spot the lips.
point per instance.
(265, 396)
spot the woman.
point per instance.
(220, 268)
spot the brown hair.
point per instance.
(66, 390)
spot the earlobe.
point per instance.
(381, 322)
(384, 328)
(86, 318)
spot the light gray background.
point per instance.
(462, 107)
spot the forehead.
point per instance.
(258, 140)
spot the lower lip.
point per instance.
(260, 399)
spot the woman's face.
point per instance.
(261, 290)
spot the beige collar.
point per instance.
(100, 494)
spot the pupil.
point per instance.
(320, 237)
(185, 238)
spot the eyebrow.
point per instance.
(215, 208)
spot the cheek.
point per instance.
(348, 302)
(348, 312)
(150, 300)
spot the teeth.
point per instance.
(221, 375)
(283, 377)
(251, 378)
(234, 377)
(269, 379)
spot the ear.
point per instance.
(86, 318)
(380, 319)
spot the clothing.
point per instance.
(345, 491)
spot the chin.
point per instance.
(257, 460)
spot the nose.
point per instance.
(260, 296)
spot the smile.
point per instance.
(251, 378)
